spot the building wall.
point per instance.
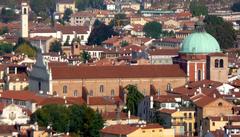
(218, 73)
(60, 7)
(113, 84)
(216, 109)
(17, 85)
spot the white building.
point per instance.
(13, 114)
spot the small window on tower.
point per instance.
(221, 63)
(216, 63)
(25, 11)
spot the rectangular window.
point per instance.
(112, 92)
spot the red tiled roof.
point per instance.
(58, 100)
(151, 126)
(103, 100)
(21, 77)
(204, 101)
(140, 71)
(119, 129)
(7, 129)
(21, 95)
(168, 111)
(164, 52)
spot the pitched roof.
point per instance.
(168, 111)
(21, 95)
(140, 71)
(119, 129)
(164, 52)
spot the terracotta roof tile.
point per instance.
(112, 116)
(119, 129)
(168, 111)
(140, 71)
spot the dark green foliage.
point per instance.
(134, 97)
(121, 20)
(67, 14)
(78, 120)
(8, 15)
(43, 8)
(56, 46)
(153, 29)
(5, 48)
(3, 30)
(56, 115)
(124, 43)
(85, 57)
(221, 30)
(85, 4)
(25, 47)
(100, 33)
(197, 8)
(236, 7)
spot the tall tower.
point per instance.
(24, 20)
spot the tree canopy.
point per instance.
(67, 14)
(8, 15)
(5, 48)
(43, 8)
(221, 30)
(121, 19)
(3, 30)
(197, 8)
(85, 56)
(236, 7)
(79, 120)
(84, 4)
(134, 97)
(100, 33)
(153, 29)
(26, 49)
(56, 46)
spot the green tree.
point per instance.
(55, 115)
(121, 19)
(153, 29)
(100, 33)
(221, 30)
(56, 46)
(124, 43)
(84, 121)
(85, 56)
(8, 15)
(78, 120)
(197, 8)
(84, 4)
(134, 97)
(5, 48)
(67, 14)
(27, 49)
(236, 7)
(3, 30)
(43, 8)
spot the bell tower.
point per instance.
(24, 19)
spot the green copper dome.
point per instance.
(200, 42)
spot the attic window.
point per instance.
(220, 104)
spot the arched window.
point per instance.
(112, 92)
(221, 63)
(199, 75)
(75, 93)
(216, 63)
(220, 104)
(101, 88)
(65, 89)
